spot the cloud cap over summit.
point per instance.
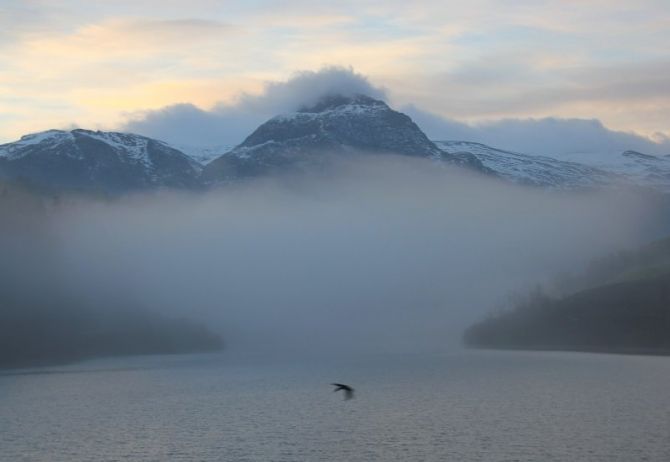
(230, 123)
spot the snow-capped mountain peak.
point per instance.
(335, 124)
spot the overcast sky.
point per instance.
(125, 64)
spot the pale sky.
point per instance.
(100, 64)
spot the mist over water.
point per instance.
(381, 254)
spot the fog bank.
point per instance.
(381, 254)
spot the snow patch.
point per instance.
(203, 154)
(345, 110)
(133, 146)
(20, 148)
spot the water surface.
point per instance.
(465, 406)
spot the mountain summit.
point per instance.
(335, 124)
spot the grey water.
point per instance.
(463, 406)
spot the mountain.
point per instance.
(639, 168)
(574, 171)
(339, 125)
(110, 162)
(86, 160)
(335, 125)
(534, 170)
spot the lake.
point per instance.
(462, 406)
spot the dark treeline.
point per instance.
(59, 331)
(42, 321)
(625, 308)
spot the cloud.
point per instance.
(159, 33)
(629, 93)
(187, 124)
(548, 136)
(230, 123)
(21, 19)
(129, 39)
(307, 87)
(469, 61)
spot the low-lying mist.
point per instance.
(379, 254)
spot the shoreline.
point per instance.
(577, 349)
(17, 368)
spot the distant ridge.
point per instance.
(301, 141)
(532, 170)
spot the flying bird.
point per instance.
(348, 391)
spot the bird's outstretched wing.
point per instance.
(348, 391)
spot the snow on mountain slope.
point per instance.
(640, 168)
(533, 170)
(47, 139)
(203, 154)
(94, 160)
(581, 170)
